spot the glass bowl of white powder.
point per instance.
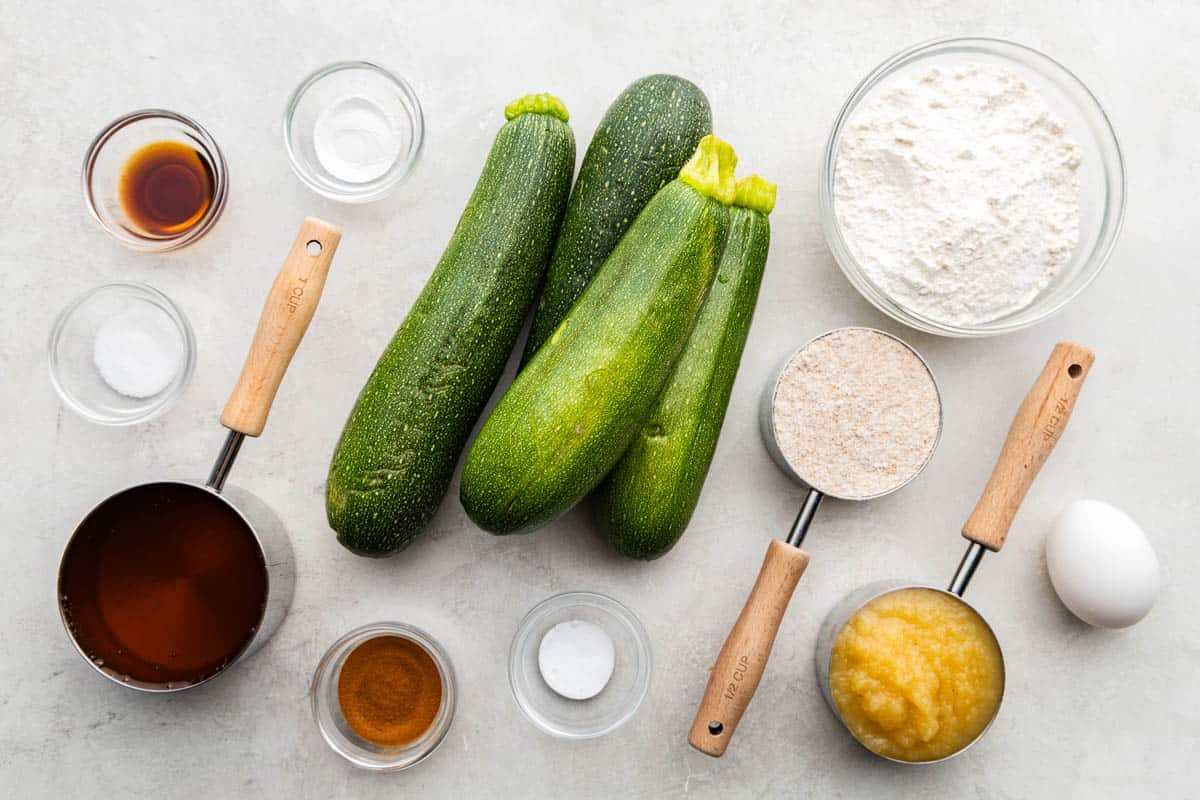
(971, 187)
(353, 131)
(121, 353)
(579, 665)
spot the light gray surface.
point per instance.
(1087, 713)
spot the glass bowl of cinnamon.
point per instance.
(383, 696)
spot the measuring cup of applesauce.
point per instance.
(915, 672)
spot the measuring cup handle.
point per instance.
(1035, 430)
(285, 316)
(743, 659)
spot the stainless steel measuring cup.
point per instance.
(289, 308)
(1034, 432)
(743, 658)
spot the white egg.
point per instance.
(1102, 565)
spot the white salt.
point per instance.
(138, 352)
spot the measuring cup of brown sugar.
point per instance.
(854, 414)
(155, 180)
(165, 585)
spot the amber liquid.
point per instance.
(164, 583)
(165, 188)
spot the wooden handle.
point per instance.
(285, 316)
(743, 659)
(1035, 430)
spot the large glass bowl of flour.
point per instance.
(989, 237)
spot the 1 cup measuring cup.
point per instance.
(1035, 430)
(831, 420)
(165, 585)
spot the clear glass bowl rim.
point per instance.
(1110, 229)
(220, 180)
(381, 186)
(421, 749)
(553, 603)
(168, 398)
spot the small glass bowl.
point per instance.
(333, 726)
(111, 149)
(72, 364)
(342, 82)
(1102, 189)
(616, 703)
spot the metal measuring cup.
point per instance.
(1034, 432)
(289, 308)
(743, 658)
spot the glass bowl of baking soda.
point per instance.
(353, 131)
(121, 353)
(971, 187)
(579, 665)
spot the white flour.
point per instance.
(957, 190)
(856, 413)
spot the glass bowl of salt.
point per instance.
(121, 353)
(353, 131)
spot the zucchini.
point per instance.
(645, 503)
(398, 451)
(573, 410)
(644, 139)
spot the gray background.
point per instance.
(1087, 713)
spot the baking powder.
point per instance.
(957, 190)
(357, 139)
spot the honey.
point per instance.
(165, 188)
(163, 583)
(916, 675)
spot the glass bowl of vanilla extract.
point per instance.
(155, 180)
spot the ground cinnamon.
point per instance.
(389, 690)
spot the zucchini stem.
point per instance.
(710, 170)
(536, 104)
(755, 193)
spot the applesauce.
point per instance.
(916, 674)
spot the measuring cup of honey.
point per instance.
(914, 672)
(155, 180)
(165, 585)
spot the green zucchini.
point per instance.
(645, 503)
(644, 139)
(412, 419)
(573, 410)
